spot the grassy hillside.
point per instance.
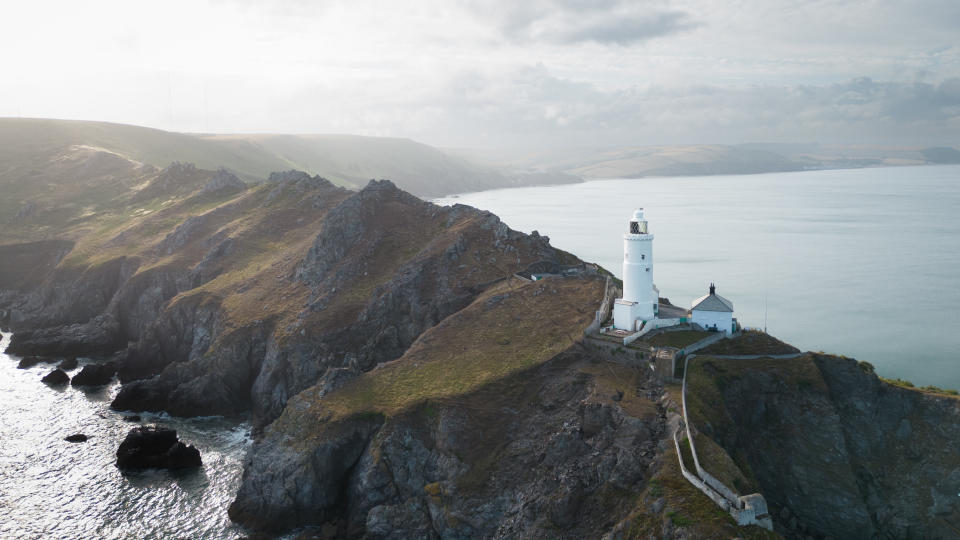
(96, 159)
(511, 327)
(353, 160)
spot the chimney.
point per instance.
(713, 289)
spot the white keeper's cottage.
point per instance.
(713, 312)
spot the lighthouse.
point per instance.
(639, 302)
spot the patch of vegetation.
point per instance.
(684, 506)
(750, 342)
(677, 338)
(679, 519)
(929, 389)
(656, 488)
(462, 354)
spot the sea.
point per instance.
(51, 488)
(858, 262)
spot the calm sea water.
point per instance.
(862, 262)
(50, 488)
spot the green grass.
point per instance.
(678, 338)
(930, 389)
(478, 345)
(684, 506)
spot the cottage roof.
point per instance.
(712, 302)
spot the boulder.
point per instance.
(132, 418)
(95, 374)
(155, 448)
(29, 362)
(76, 437)
(68, 364)
(56, 377)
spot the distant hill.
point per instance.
(40, 150)
(352, 160)
(708, 159)
(642, 161)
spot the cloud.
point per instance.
(569, 22)
(531, 106)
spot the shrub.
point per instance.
(679, 519)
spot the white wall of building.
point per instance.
(723, 320)
(638, 268)
(638, 286)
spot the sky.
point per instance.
(499, 73)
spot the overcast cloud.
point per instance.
(493, 73)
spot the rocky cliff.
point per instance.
(219, 299)
(404, 383)
(835, 450)
(498, 423)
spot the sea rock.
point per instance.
(56, 377)
(154, 447)
(132, 418)
(68, 364)
(29, 362)
(77, 437)
(95, 374)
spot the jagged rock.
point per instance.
(185, 233)
(223, 182)
(155, 448)
(29, 362)
(56, 377)
(77, 437)
(131, 418)
(26, 211)
(95, 374)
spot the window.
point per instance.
(642, 256)
(648, 269)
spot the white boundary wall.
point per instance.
(743, 509)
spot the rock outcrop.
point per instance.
(534, 455)
(155, 448)
(95, 375)
(384, 268)
(69, 364)
(56, 377)
(836, 451)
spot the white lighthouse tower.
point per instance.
(640, 297)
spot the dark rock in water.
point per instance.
(95, 374)
(29, 362)
(68, 363)
(77, 437)
(56, 377)
(132, 418)
(153, 447)
(98, 336)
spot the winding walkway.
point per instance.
(749, 509)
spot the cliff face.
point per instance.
(221, 299)
(476, 438)
(835, 450)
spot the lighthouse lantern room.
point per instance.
(640, 296)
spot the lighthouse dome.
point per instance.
(637, 215)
